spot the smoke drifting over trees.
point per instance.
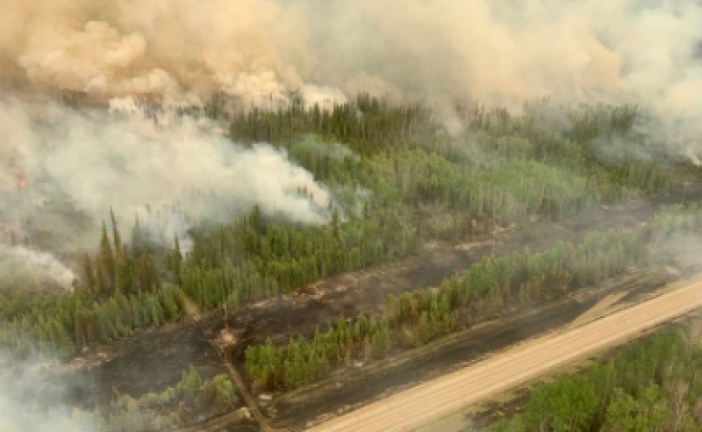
(21, 266)
(285, 68)
(632, 51)
(162, 174)
(30, 399)
(263, 52)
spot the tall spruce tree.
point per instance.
(107, 259)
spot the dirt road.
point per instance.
(412, 408)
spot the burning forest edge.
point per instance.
(272, 197)
(387, 203)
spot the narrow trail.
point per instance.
(407, 410)
(194, 313)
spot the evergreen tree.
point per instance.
(126, 274)
(107, 260)
(137, 238)
(88, 275)
(175, 259)
(117, 241)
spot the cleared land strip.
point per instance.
(412, 408)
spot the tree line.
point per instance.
(489, 288)
(251, 259)
(304, 361)
(121, 291)
(397, 179)
(191, 400)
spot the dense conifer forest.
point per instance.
(301, 215)
(493, 287)
(398, 179)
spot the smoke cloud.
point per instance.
(593, 51)
(31, 269)
(170, 174)
(517, 49)
(268, 53)
(261, 52)
(61, 170)
(33, 398)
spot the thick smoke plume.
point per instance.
(168, 174)
(61, 170)
(263, 51)
(179, 51)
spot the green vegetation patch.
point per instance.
(650, 385)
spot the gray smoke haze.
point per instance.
(171, 174)
(33, 398)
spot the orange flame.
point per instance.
(21, 181)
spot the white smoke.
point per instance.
(33, 398)
(21, 267)
(261, 52)
(513, 50)
(170, 173)
(323, 97)
(177, 50)
(267, 53)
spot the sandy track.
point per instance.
(434, 399)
